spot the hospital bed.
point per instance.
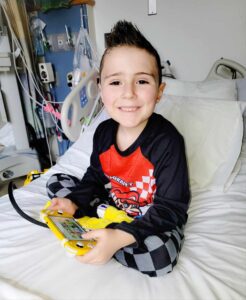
(209, 114)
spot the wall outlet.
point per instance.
(70, 79)
(46, 72)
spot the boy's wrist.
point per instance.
(124, 238)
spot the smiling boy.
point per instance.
(138, 163)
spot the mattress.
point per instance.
(212, 263)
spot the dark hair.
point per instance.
(126, 34)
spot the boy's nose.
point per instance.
(129, 90)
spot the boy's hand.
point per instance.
(108, 241)
(63, 204)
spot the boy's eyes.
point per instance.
(141, 81)
(116, 82)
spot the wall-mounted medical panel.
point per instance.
(60, 53)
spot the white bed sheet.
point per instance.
(212, 264)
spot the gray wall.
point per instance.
(192, 34)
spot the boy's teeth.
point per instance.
(128, 108)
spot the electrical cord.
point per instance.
(46, 137)
(41, 105)
(32, 77)
(11, 188)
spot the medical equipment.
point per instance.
(46, 72)
(18, 159)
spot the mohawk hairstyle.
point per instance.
(126, 34)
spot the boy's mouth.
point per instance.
(129, 108)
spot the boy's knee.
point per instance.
(60, 185)
(158, 256)
(164, 253)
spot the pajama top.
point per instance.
(149, 180)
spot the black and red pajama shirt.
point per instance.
(149, 180)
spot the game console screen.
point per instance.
(69, 227)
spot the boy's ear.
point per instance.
(160, 91)
(99, 85)
(100, 89)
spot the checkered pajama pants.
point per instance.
(157, 255)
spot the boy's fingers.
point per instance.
(54, 201)
(55, 204)
(87, 258)
(93, 234)
(90, 257)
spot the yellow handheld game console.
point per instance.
(67, 230)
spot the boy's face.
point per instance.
(129, 86)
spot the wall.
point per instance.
(192, 34)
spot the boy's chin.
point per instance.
(132, 124)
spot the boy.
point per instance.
(138, 163)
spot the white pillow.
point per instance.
(212, 131)
(218, 89)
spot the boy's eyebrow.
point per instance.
(145, 73)
(112, 75)
(138, 73)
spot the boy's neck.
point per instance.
(127, 136)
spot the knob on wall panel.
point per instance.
(46, 72)
(70, 79)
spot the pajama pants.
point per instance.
(158, 253)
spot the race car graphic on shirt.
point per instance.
(127, 201)
(132, 181)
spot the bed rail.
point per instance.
(76, 109)
(227, 69)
